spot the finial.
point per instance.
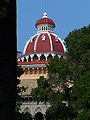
(44, 15)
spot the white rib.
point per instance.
(36, 42)
(50, 42)
(28, 43)
(60, 41)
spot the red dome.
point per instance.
(45, 21)
(44, 42)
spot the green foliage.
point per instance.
(78, 46)
(76, 68)
(78, 43)
(84, 115)
(23, 116)
(42, 91)
(59, 112)
(27, 116)
(59, 72)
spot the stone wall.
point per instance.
(33, 107)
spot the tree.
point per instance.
(69, 103)
(42, 92)
(8, 81)
(78, 46)
(59, 76)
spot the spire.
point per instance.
(44, 15)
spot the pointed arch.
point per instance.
(26, 110)
(25, 60)
(42, 57)
(29, 59)
(35, 57)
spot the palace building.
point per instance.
(38, 51)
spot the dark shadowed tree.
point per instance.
(8, 65)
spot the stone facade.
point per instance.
(33, 108)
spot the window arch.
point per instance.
(42, 57)
(39, 116)
(29, 59)
(26, 110)
(35, 58)
(26, 71)
(42, 27)
(25, 60)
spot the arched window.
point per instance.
(35, 70)
(40, 70)
(26, 71)
(31, 71)
(42, 57)
(42, 28)
(39, 116)
(29, 59)
(25, 60)
(35, 58)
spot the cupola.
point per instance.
(45, 24)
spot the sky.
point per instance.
(67, 15)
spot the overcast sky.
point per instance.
(67, 15)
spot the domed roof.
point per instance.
(44, 42)
(45, 20)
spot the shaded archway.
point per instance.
(25, 60)
(42, 57)
(35, 58)
(38, 116)
(26, 116)
(29, 59)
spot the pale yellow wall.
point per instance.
(30, 80)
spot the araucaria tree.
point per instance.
(68, 103)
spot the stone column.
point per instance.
(46, 56)
(27, 58)
(38, 56)
(53, 55)
(32, 57)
